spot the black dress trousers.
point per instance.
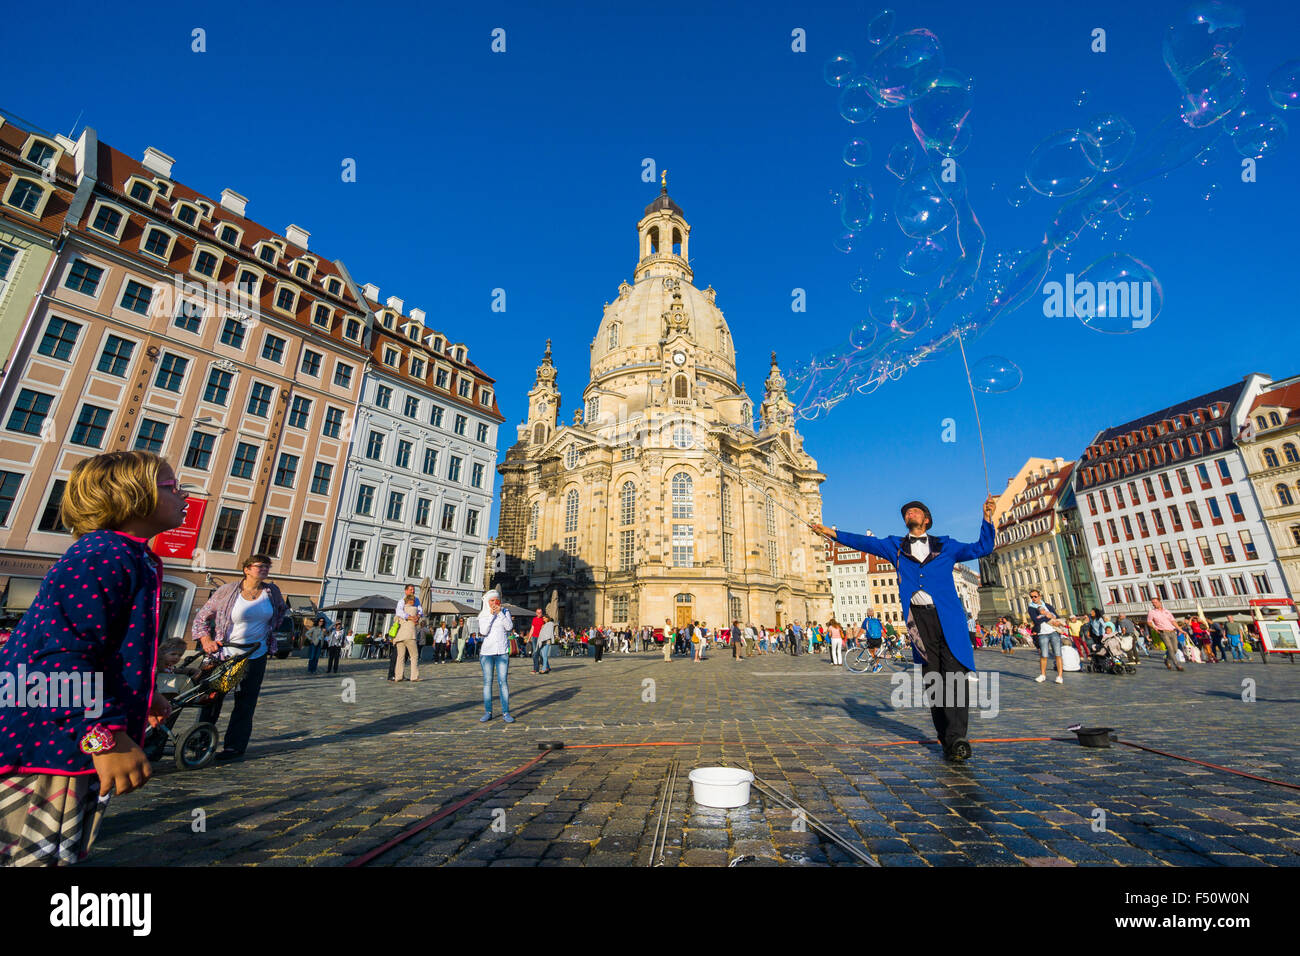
(952, 714)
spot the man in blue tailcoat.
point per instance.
(936, 619)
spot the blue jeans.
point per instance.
(537, 658)
(546, 655)
(313, 657)
(502, 664)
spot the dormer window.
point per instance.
(417, 367)
(485, 397)
(205, 263)
(108, 220)
(333, 286)
(388, 320)
(249, 282)
(157, 243)
(141, 191)
(460, 355)
(392, 357)
(352, 329)
(41, 153)
(230, 235)
(286, 299)
(302, 271)
(164, 188)
(321, 315)
(267, 253)
(437, 343)
(27, 195)
(187, 214)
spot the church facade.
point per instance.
(662, 501)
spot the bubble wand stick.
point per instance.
(978, 427)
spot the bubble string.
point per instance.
(988, 491)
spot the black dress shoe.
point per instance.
(227, 755)
(959, 752)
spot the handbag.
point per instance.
(392, 631)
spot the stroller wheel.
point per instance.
(197, 748)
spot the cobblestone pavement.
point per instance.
(325, 781)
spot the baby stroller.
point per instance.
(197, 679)
(1111, 655)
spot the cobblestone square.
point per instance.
(326, 781)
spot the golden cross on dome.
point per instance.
(663, 179)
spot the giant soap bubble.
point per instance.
(857, 101)
(1284, 85)
(839, 69)
(881, 27)
(922, 206)
(1212, 90)
(1108, 141)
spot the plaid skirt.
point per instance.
(47, 820)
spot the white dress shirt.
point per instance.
(919, 548)
(401, 609)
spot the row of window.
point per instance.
(396, 506)
(1175, 518)
(387, 558)
(1289, 452)
(376, 441)
(392, 357)
(1178, 448)
(1166, 486)
(1227, 552)
(1180, 591)
(411, 409)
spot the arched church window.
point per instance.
(683, 495)
(571, 511)
(613, 336)
(533, 514)
(627, 503)
(681, 388)
(677, 242)
(769, 510)
(654, 239)
(539, 433)
(593, 410)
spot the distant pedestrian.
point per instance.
(494, 627)
(316, 640)
(334, 647)
(1162, 622)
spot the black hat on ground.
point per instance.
(929, 521)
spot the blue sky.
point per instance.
(522, 171)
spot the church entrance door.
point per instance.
(684, 615)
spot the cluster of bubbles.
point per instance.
(1094, 171)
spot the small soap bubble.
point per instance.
(1284, 85)
(863, 334)
(1081, 98)
(845, 241)
(904, 70)
(994, 375)
(921, 208)
(1058, 166)
(1018, 195)
(1124, 292)
(881, 27)
(1108, 141)
(1256, 136)
(899, 311)
(1135, 207)
(858, 283)
(857, 101)
(1211, 192)
(923, 258)
(902, 159)
(839, 69)
(856, 205)
(857, 152)
(1211, 91)
(1205, 31)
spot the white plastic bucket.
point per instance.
(722, 787)
(1069, 657)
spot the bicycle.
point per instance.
(862, 658)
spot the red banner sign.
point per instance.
(180, 542)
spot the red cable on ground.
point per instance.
(431, 820)
(1214, 766)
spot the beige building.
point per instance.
(862, 582)
(967, 583)
(662, 501)
(1273, 465)
(169, 321)
(1026, 548)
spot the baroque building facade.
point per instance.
(662, 501)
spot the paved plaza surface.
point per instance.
(325, 781)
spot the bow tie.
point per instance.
(911, 538)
